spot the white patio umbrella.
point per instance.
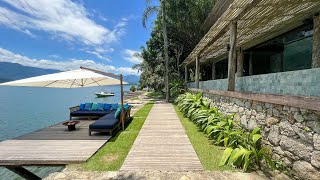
(83, 77)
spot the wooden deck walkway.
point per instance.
(54, 145)
(162, 144)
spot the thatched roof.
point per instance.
(258, 21)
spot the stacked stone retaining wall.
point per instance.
(292, 133)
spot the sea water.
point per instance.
(26, 109)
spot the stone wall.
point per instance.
(301, 83)
(292, 133)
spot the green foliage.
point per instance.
(182, 19)
(243, 148)
(177, 88)
(133, 88)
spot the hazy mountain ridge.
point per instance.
(15, 71)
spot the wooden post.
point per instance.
(240, 63)
(186, 74)
(250, 64)
(232, 56)
(197, 72)
(213, 77)
(122, 116)
(316, 42)
(26, 174)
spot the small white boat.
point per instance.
(104, 94)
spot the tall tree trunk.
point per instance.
(166, 55)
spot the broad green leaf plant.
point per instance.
(243, 148)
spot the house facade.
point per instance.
(260, 60)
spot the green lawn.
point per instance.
(112, 155)
(135, 98)
(208, 153)
(155, 95)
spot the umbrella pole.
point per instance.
(122, 108)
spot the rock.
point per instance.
(287, 162)
(267, 105)
(304, 170)
(316, 141)
(278, 150)
(286, 108)
(252, 123)
(236, 119)
(271, 121)
(233, 109)
(274, 135)
(314, 125)
(244, 121)
(311, 116)
(276, 157)
(294, 109)
(286, 129)
(302, 133)
(253, 112)
(259, 108)
(281, 176)
(298, 117)
(315, 159)
(275, 112)
(269, 112)
(184, 177)
(247, 104)
(248, 112)
(241, 109)
(261, 118)
(60, 176)
(296, 147)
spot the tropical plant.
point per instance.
(177, 87)
(243, 148)
(132, 88)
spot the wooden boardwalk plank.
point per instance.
(162, 144)
(54, 145)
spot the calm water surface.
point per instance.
(25, 109)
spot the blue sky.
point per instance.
(63, 35)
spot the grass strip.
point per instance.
(112, 155)
(208, 153)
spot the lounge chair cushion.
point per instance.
(101, 107)
(82, 106)
(88, 106)
(107, 106)
(104, 123)
(89, 113)
(114, 106)
(117, 113)
(94, 107)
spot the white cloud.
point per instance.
(71, 64)
(130, 55)
(66, 19)
(99, 55)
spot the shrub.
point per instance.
(243, 148)
(132, 88)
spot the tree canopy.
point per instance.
(183, 21)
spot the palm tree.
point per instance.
(150, 9)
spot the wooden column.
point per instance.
(186, 74)
(240, 63)
(316, 42)
(213, 71)
(250, 64)
(197, 73)
(232, 56)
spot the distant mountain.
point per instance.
(131, 79)
(14, 71)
